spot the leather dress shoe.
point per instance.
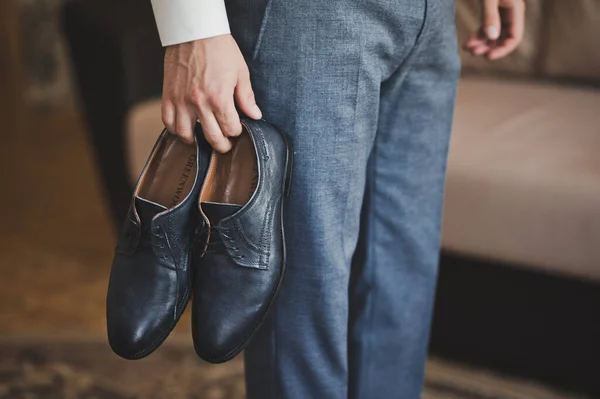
(150, 278)
(239, 257)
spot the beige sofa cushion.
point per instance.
(524, 176)
(572, 40)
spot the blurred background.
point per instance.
(518, 307)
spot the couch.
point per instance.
(524, 167)
(519, 286)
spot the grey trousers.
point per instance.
(365, 89)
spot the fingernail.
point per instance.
(492, 32)
(257, 110)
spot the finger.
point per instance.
(229, 121)
(184, 124)
(507, 47)
(212, 132)
(244, 97)
(491, 19)
(168, 115)
(221, 104)
(474, 41)
(516, 18)
(480, 50)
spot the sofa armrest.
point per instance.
(118, 61)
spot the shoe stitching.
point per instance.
(263, 232)
(267, 231)
(263, 251)
(262, 152)
(239, 229)
(265, 149)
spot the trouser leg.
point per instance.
(317, 70)
(395, 267)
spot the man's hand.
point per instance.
(203, 81)
(503, 23)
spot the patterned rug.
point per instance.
(85, 368)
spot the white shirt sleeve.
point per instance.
(181, 21)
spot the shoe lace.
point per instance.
(146, 240)
(213, 239)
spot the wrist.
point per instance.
(198, 42)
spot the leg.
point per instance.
(395, 267)
(316, 68)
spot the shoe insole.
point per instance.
(232, 177)
(171, 173)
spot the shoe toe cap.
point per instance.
(131, 339)
(229, 304)
(216, 343)
(140, 309)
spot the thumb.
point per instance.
(491, 19)
(244, 97)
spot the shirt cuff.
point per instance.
(181, 21)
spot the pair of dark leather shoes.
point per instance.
(204, 222)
